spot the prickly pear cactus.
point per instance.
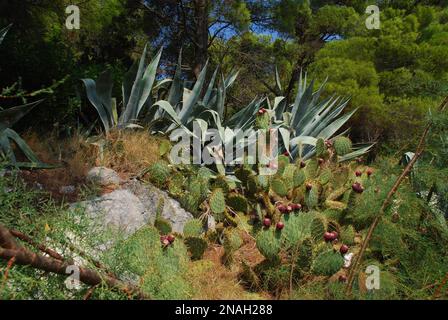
(320, 147)
(217, 201)
(269, 244)
(232, 242)
(237, 202)
(312, 197)
(159, 173)
(262, 120)
(299, 177)
(190, 203)
(279, 187)
(342, 145)
(193, 228)
(327, 262)
(176, 184)
(196, 246)
(163, 225)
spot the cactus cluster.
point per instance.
(301, 216)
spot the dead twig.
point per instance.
(6, 274)
(89, 292)
(41, 247)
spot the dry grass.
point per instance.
(130, 152)
(213, 281)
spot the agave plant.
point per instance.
(8, 118)
(303, 122)
(183, 106)
(136, 89)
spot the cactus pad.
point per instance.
(217, 201)
(342, 145)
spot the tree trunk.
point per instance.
(201, 35)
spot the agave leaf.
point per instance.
(303, 140)
(3, 32)
(128, 82)
(34, 165)
(114, 110)
(220, 104)
(203, 125)
(21, 144)
(165, 105)
(279, 106)
(331, 129)
(148, 81)
(6, 149)
(277, 80)
(193, 98)
(104, 85)
(208, 93)
(11, 134)
(355, 154)
(302, 104)
(130, 111)
(96, 101)
(315, 117)
(10, 116)
(231, 79)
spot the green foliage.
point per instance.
(279, 187)
(196, 246)
(137, 87)
(193, 228)
(232, 242)
(159, 172)
(237, 202)
(217, 201)
(268, 243)
(342, 146)
(163, 225)
(8, 136)
(327, 263)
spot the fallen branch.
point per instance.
(23, 256)
(41, 247)
(6, 274)
(386, 202)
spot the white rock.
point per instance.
(103, 176)
(120, 209)
(151, 196)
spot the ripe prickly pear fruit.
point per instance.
(358, 173)
(267, 222)
(328, 236)
(343, 249)
(280, 225)
(369, 172)
(357, 187)
(171, 238)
